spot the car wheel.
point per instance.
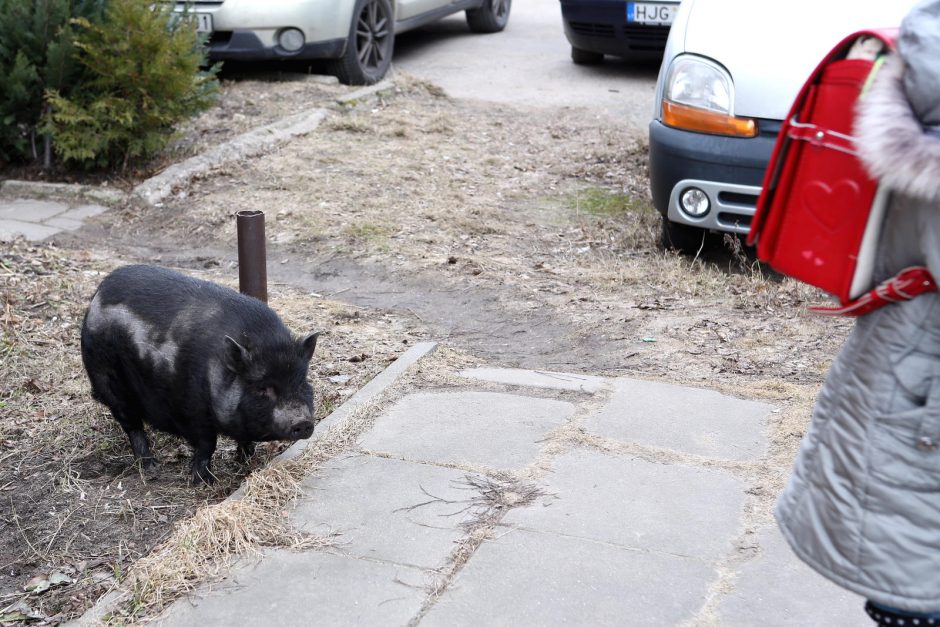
(585, 57)
(370, 44)
(688, 240)
(491, 17)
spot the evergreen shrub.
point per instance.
(142, 76)
(36, 54)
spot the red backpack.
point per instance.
(819, 214)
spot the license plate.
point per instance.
(651, 13)
(203, 22)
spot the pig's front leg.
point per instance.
(202, 458)
(245, 451)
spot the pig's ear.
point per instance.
(308, 344)
(237, 356)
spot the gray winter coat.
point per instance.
(863, 504)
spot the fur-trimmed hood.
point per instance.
(892, 143)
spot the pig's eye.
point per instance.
(267, 392)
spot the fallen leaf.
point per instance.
(19, 612)
(37, 584)
(60, 579)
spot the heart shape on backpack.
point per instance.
(827, 204)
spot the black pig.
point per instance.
(195, 359)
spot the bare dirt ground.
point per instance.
(515, 237)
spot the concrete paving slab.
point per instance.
(496, 430)
(84, 212)
(778, 590)
(307, 588)
(386, 509)
(525, 578)
(538, 379)
(691, 420)
(30, 210)
(36, 189)
(65, 224)
(687, 511)
(11, 229)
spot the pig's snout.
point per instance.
(293, 422)
(301, 430)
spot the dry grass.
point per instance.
(493, 496)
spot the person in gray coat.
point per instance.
(862, 506)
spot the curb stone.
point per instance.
(157, 188)
(381, 382)
(365, 92)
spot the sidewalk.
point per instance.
(562, 499)
(38, 219)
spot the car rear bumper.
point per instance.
(248, 46)
(729, 170)
(601, 26)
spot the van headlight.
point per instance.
(699, 96)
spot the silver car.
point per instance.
(728, 78)
(355, 36)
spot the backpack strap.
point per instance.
(819, 136)
(905, 285)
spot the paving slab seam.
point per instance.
(659, 455)
(466, 547)
(746, 549)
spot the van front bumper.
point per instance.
(729, 170)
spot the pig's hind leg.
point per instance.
(128, 417)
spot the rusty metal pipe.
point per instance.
(252, 255)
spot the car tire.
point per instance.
(685, 239)
(491, 17)
(585, 57)
(370, 44)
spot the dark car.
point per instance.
(631, 30)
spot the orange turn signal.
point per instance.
(705, 121)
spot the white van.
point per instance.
(730, 72)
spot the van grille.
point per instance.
(646, 37)
(637, 37)
(596, 30)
